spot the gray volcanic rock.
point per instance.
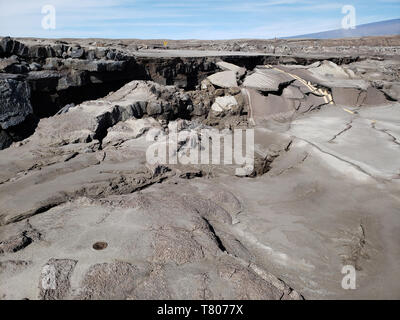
(43, 80)
(231, 67)
(7, 64)
(225, 103)
(77, 53)
(10, 46)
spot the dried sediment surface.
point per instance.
(84, 215)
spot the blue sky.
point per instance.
(186, 19)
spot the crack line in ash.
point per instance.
(379, 179)
(394, 139)
(348, 127)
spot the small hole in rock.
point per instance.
(100, 245)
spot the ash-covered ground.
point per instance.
(85, 215)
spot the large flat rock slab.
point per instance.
(224, 79)
(226, 66)
(266, 79)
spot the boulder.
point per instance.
(53, 63)
(224, 79)
(225, 103)
(101, 53)
(59, 49)
(328, 69)
(111, 55)
(207, 85)
(77, 53)
(226, 66)
(7, 64)
(34, 66)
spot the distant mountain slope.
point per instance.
(382, 28)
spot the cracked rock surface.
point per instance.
(84, 215)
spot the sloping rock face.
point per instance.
(240, 71)
(224, 103)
